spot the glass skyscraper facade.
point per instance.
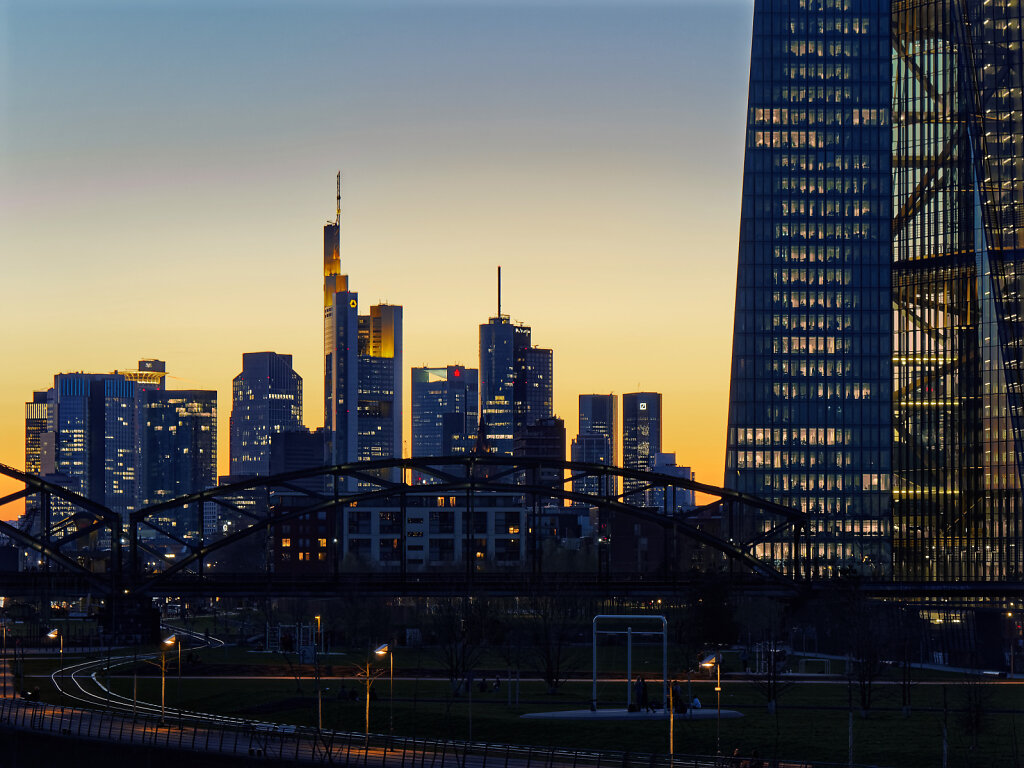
(810, 402)
(641, 441)
(516, 382)
(179, 453)
(497, 383)
(35, 426)
(958, 275)
(595, 443)
(877, 354)
(444, 410)
(266, 399)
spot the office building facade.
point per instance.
(444, 410)
(91, 437)
(957, 280)
(595, 443)
(179, 449)
(122, 439)
(516, 382)
(875, 382)
(498, 340)
(178, 454)
(379, 410)
(641, 441)
(36, 415)
(266, 400)
(599, 414)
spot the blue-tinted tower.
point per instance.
(266, 399)
(810, 407)
(444, 410)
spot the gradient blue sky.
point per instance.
(166, 167)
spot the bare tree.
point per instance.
(554, 622)
(869, 637)
(458, 626)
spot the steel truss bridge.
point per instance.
(86, 548)
(82, 547)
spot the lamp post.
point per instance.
(168, 642)
(382, 650)
(714, 661)
(53, 634)
(177, 695)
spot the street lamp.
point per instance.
(381, 651)
(53, 634)
(7, 666)
(168, 642)
(714, 661)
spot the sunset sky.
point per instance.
(166, 169)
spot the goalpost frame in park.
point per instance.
(629, 632)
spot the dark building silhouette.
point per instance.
(294, 451)
(543, 439)
(266, 399)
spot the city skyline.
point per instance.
(589, 186)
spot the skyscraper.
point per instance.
(641, 440)
(36, 413)
(362, 366)
(543, 439)
(380, 383)
(91, 436)
(444, 410)
(497, 382)
(957, 280)
(599, 414)
(123, 440)
(534, 385)
(516, 380)
(595, 443)
(179, 448)
(266, 399)
(878, 287)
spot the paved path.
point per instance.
(625, 714)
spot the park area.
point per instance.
(816, 717)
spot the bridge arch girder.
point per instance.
(469, 474)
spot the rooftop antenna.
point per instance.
(499, 291)
(337, 217)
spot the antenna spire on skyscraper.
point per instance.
(337, 217)
(499, 291)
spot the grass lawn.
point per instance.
(811, 722)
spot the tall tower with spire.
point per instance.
(362, 366)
